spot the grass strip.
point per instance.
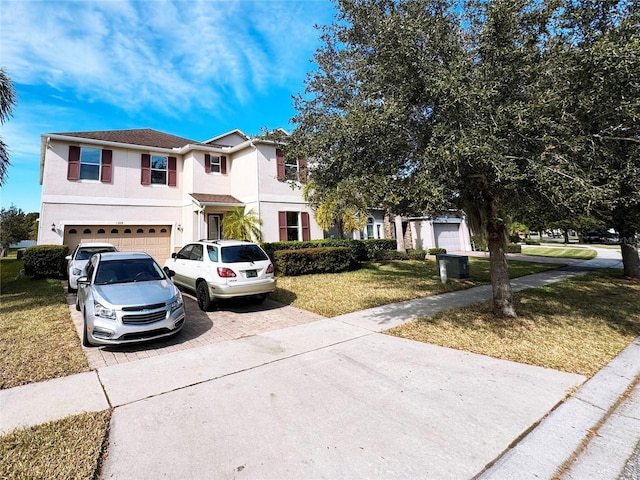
(561, 252)
(578, 325)
(38, 340)
(70, 448)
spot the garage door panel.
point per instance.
(447, 236)
(152, 239)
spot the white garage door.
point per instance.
(153, 239)
(447, 236)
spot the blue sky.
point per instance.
(186, 67)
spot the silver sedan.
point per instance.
(125, 298)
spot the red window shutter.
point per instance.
(282, 225)
(302, 170)
(280, 164)
(73, 167)
(173, 171)
(223, 165)
(207, 163)
(306, 231)
(145, 178)
(107, 167)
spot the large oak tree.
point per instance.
(439, 105)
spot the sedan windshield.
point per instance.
(126, 271)
(243, 253)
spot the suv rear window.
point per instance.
(243, 253)
(85, 253)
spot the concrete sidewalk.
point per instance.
(334, 399)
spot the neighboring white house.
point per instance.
(147, 190)
(448, 232)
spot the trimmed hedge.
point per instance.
(46, 261)
(514, 248)
(382, 255)
(362, 250)
(417, 254)
(304, 261)
(373, 246)
(437, 251)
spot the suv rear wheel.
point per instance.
(202, 294)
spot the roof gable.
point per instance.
(229, 139)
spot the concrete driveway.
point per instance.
(321, 400)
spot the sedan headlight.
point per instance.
(103, 312)
(176, 304)
(77, 271)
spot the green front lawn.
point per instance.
(380, 283)
(38, 340)
(578, 325)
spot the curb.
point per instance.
(561, 437)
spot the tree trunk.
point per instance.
(502, 294)
(630, 261)
(565, 233)
(629, 250)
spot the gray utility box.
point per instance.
(457, 265)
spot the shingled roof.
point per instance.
(213, 198)
(140, 136)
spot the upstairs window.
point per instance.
(289, 169)
(158, 170)
(215, 164)
(89, 164)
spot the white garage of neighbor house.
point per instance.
(448, 232)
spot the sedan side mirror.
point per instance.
(174, 255)
(170, 273)
(83, 281)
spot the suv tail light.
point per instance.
(226, 272)
(270, 268)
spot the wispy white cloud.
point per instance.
(160, 54)
(188, 67)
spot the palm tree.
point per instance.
(242, 225)
(7, 101)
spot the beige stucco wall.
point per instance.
(243, 177)
(251, 178)
(270, 228)
(125, 181)
(122, 201)
(65, 214)
(211, 183)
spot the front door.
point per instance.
(214, 228)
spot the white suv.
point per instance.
(221, 269)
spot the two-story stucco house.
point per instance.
(147, 190)
(150, 191)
